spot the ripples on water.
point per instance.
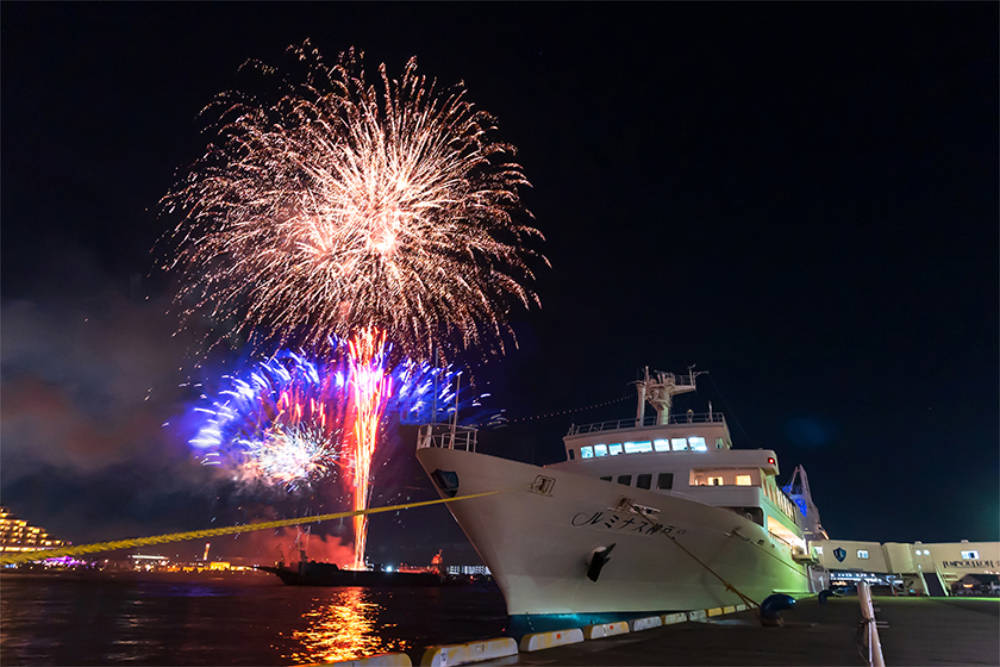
(47, 620)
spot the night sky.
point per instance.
(799, 198)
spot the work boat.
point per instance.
(646, 515)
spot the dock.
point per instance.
(919, 631)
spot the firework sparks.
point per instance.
(282, 422)
(346, 206)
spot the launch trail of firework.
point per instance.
(370, 389)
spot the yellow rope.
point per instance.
(130, 543)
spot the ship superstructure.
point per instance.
(652, 513)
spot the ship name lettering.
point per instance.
(580, 518)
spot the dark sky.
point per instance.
(800, 198)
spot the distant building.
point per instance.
(18, 535)
(469, 569)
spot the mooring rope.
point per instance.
(718, 576)
(42, 554)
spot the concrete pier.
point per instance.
(921, 631)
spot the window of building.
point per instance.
(714, 481)
(661, 445)
(679, 444)
(698, 443)
(643, 481)
(665, 480)
(615, 449)
(638, 447)
(625, 479)
(586, 452)
(863, 554)
(607, 479)
(572, 454)
(819, 550)
(970, 555)
(600, 450)
(743, 480)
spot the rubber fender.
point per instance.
(598, 560)
(773, 605)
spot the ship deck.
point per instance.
(921, 631)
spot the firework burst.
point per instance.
(346, 206)
(283, 422)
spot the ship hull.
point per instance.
(323, 574)
(539, 545)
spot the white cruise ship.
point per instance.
(645, 515)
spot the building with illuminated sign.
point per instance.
(18, 535)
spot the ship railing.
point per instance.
(620, 424)
(870, 640)
(448, 436)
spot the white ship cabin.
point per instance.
(688, 455)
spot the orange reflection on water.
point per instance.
(342, 626)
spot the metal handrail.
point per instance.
(621, 424)
(448, 436)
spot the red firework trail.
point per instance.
(370, 388)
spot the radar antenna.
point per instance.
(659, 390)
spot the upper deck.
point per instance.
(697, 432)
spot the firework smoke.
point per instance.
(347, 206)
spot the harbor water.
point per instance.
(256, 620)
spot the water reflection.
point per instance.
(342, 626)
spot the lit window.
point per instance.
(715, 481)
(970, 555)
(625, 479)
(615, 449)
(743, 480)
(643, 481)
(638, 447)
(661, 445)
(698, 443)
(819, 550)
(600, 450)
(586, 452)
(863, 554)
(679, 444)
(665, 481)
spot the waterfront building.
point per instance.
(927, 568)
(17, 534)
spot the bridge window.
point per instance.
(638, 447)
(600, 450)
(715, 481)
(662, 445)
(679, 444)
(625, 479)
(643, 481)
(743, 480)
(698, 443)
(615, 449)
(665, 481)
(863, 554)
(968, 555)
(586, 452)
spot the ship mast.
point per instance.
(659, 390)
